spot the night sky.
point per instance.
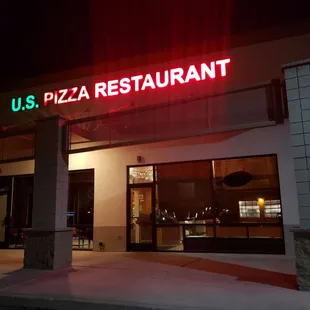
(50, 36)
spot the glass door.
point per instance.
(141, 218)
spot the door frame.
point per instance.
(7, 191)
(132, 247)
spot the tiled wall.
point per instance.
(297, 77)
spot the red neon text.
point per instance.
(140, 82)
(66, 95)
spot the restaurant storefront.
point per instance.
(190, 155)
(225, 205)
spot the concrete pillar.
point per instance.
(48, 244)
(297, 80)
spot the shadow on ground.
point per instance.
(21, 275)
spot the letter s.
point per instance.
(125, 86)
(30, 102)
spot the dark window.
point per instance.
(81, 207)
(80, 214)
(184, 190)
(81, 198)
(21, 216)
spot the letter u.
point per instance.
(19, 104)
(165, 83)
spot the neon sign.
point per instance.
(30, 103)
(127, 85)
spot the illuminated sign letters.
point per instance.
(126, 85)
(28, 103)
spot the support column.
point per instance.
(48, 244)
(297, 80)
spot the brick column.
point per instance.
(49, 242)
(297, 79)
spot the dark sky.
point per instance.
(49, 36)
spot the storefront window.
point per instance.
(184, 191)
(139, 175)
(246, 192)
(200, 205)
(80, 213)
(21, 212)
(184, 203)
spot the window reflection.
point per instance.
(247, 199)
(170, 238)
(80, 212)
(80, 215)
(272, 208)
(184, 192)
(21, 212)
(208, 205)
(249, 209)
(143, 174)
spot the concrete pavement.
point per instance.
(154, 281)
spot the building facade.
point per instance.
(195, 154)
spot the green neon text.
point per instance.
(18, 104)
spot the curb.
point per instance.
(24, 303)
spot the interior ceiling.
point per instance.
(257, 166)
(100, 132)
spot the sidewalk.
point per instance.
(155, 281)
